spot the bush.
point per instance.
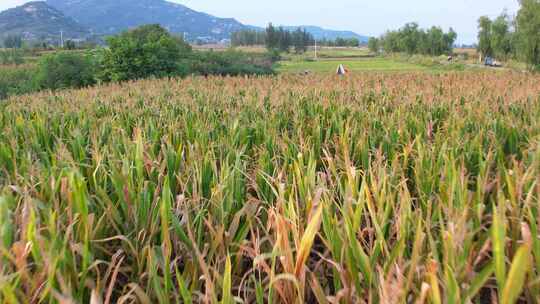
(229, 63)
(274, 55)
(65, 70)
(141, 53)
(16, 80)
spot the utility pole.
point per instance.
(62, 39)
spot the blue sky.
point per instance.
(371, 17)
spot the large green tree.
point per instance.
(272, 37)
(146, 51)
(301, 40)
(374, 45)
(390, 42)
(528, 31)
(409, 38)
(496, 37)
(284, 40)
(501, 36)
(448, 40)
(432, 41)
(484, 36)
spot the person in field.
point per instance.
(342, 70)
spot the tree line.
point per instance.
(512, 38)
(411, 39)
(283, 40)
(275, 39)
(248, 38)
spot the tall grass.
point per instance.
(378, 188)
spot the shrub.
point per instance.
(274, 55)
(229, 63)
(16, 80)
(65, 70)
(11, 56)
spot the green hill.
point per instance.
(107, 17)
(39, 21)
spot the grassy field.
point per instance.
(354, 59)
(354, 65)
(372, 188)
(328, 58)
(329, 53)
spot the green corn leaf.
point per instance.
(516, 276)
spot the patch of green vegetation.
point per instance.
(343, 53)
(11, 56)
(16, 80)
(328, 53)
(65, 70)
(353, 65)
(146, 52)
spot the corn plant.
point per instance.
(376, 188)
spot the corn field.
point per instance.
(376, 188)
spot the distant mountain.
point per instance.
(86, 18)
(37, 20)
(105, 17)
(322, 33)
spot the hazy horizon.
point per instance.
(366, 18)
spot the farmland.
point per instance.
(377, 187)
(355, 59)
(358, 60)
(329, 66)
